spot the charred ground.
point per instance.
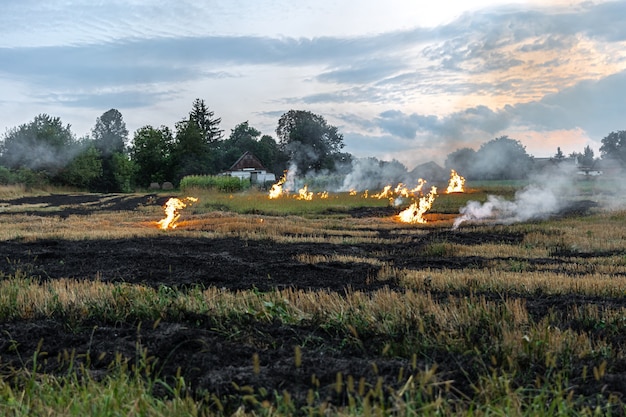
(216, 357)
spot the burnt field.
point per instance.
(323, 309)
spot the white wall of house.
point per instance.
(255, 176)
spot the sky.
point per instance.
(409, 80)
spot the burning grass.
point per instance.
(521, 319)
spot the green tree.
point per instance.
(309, 141)
(587, 159)
(110, 134)
(123, 171)
(44, 145)
(274, 159)
(559, 155)
(109, 138)
(151, 153)
(614, 146)
(206, 122)
(195, 149)
(246, 138)
(502, 158)
(462, 161)
(191, 155)
(242, 138)
(85, 168)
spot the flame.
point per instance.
(172, 207)
(415, 212)
(323, 195)
(456, 184)
(305, 194)
(385, 193)
(277, 189)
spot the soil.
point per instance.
(217, 359)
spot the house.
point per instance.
(609, 167)
(250, 167)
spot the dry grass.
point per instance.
(477, 311)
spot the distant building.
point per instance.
(250, 167)
(609, 167)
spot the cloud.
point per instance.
(362, 72)
(453, 127)
(593, 105)
(110, 99)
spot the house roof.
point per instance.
(247, 161)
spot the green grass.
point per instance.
(254, 202)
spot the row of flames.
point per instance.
(420, 204)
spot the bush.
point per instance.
(220, 183)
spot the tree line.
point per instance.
(45, 151)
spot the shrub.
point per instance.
(220, 183)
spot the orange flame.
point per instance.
(385, 193)
(172, 207)
(277, 189)
(304, 194)
(415, 212)
(456, 183)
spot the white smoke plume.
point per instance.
(372, 174)
(546, 196)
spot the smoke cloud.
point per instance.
(372, 174)
(39, 155)
(547, 195)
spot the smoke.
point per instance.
(372, 174)
(290, 177)
(39, 155)
(547, 195)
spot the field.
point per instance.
(253, 306)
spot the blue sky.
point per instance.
(410, 80)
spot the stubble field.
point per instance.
(270, 310)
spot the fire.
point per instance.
(305, 194)
(456, 184)
(277, 189)
(172, 207)
(415, 212)
(385, 193)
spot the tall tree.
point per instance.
(559, 155)
(110, 134)
(311, 143)
(109, 138)
(44, 144)
(614, 146)
(191, 155)
(151, 152)
(195, 149)
(587, 158)
(206, 122)
(268, 151)
(502, 158)
(463, 161)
